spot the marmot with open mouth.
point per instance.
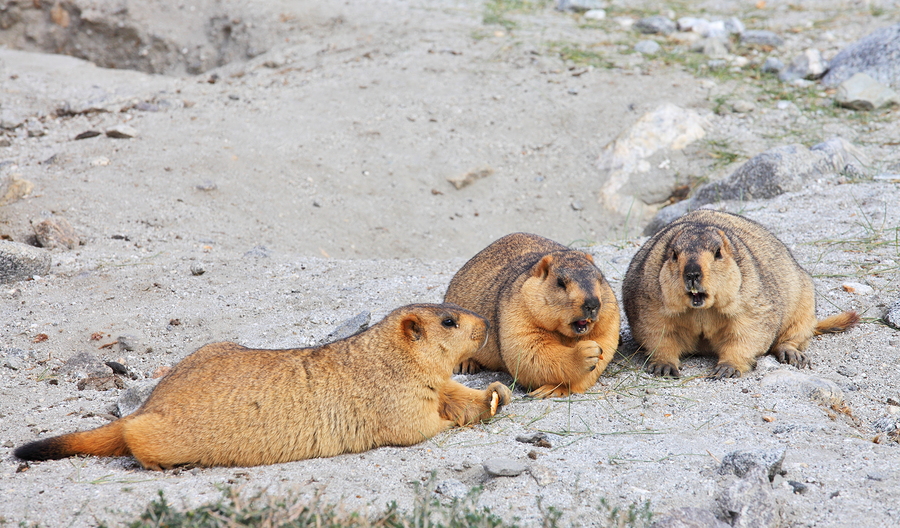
(554, 318)
(718, 283)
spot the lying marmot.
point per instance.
(720, 283)
(554, 318)
(227, 405)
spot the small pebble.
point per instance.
(504, 467)
(799, 487)
(197, 269)
(647, 47)
(121, 132)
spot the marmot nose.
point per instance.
(590, 308)
(691, 276)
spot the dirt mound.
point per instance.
(154, 36)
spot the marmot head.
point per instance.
(566, 293)
(699, 270)
(440, 335)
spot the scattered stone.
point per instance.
(807, 65)
(121, 132)
(451, 489)
(102, 161)
(862, 92)
(87, 134)
(887, 178)
(780, 170)
(543, 475)
(857, 288)
(750, 502)
(658, 25)
(647, 47)
(14, 358)
(799, 487)
(55, 233)
(877, 55)
(637, 160)
(22, 262)
(580, 6)
(712, 47)
(743, 462)
(772, 65)
(504, 467)
(144, 106)
(885, 424)
(817, 389)
(135, 396)
(470, 177)
(101, 383)
(132, 343)
(742, 106)
(5, 142)
(577, 205)
(206, 185)
(537, 439)
(892, 317)
(689, 518)
(85, 365)
(258, 252)
(117, 368)
(734, 26)
(761, 37)
(13, 188)
(197, 269)
(160, 372)
(846, 371)
(354, 325)
(595, 14)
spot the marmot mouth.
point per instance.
(698, 299)
(581, 326)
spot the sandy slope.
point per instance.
(322, 168)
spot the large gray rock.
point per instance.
(21, 261)
(354, 325)
(639, 162)
(750, 502)
(877, 55)
(817, 389)
(504, 467)
(658, 24)
(761, 37)
(135, 396)
(862, 92)
(780, 170)
(741, 463)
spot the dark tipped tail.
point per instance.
(837, 323)
(103, 441)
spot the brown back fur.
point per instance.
(227, 405)
(718, 282)
(532, 290)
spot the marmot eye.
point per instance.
(719, 254)
(561, 283)
(449, 322)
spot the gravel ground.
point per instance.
(309, 184)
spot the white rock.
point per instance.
(857, 288)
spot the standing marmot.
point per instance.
(720, 283)
(554, 318)
(226, 405)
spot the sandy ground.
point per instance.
(310, 183)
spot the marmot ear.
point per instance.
(542, 268)
(726, 244)
(588, 256)
(412, 327)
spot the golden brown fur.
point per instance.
(226, 405)
(713, 282)
(554, 318)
